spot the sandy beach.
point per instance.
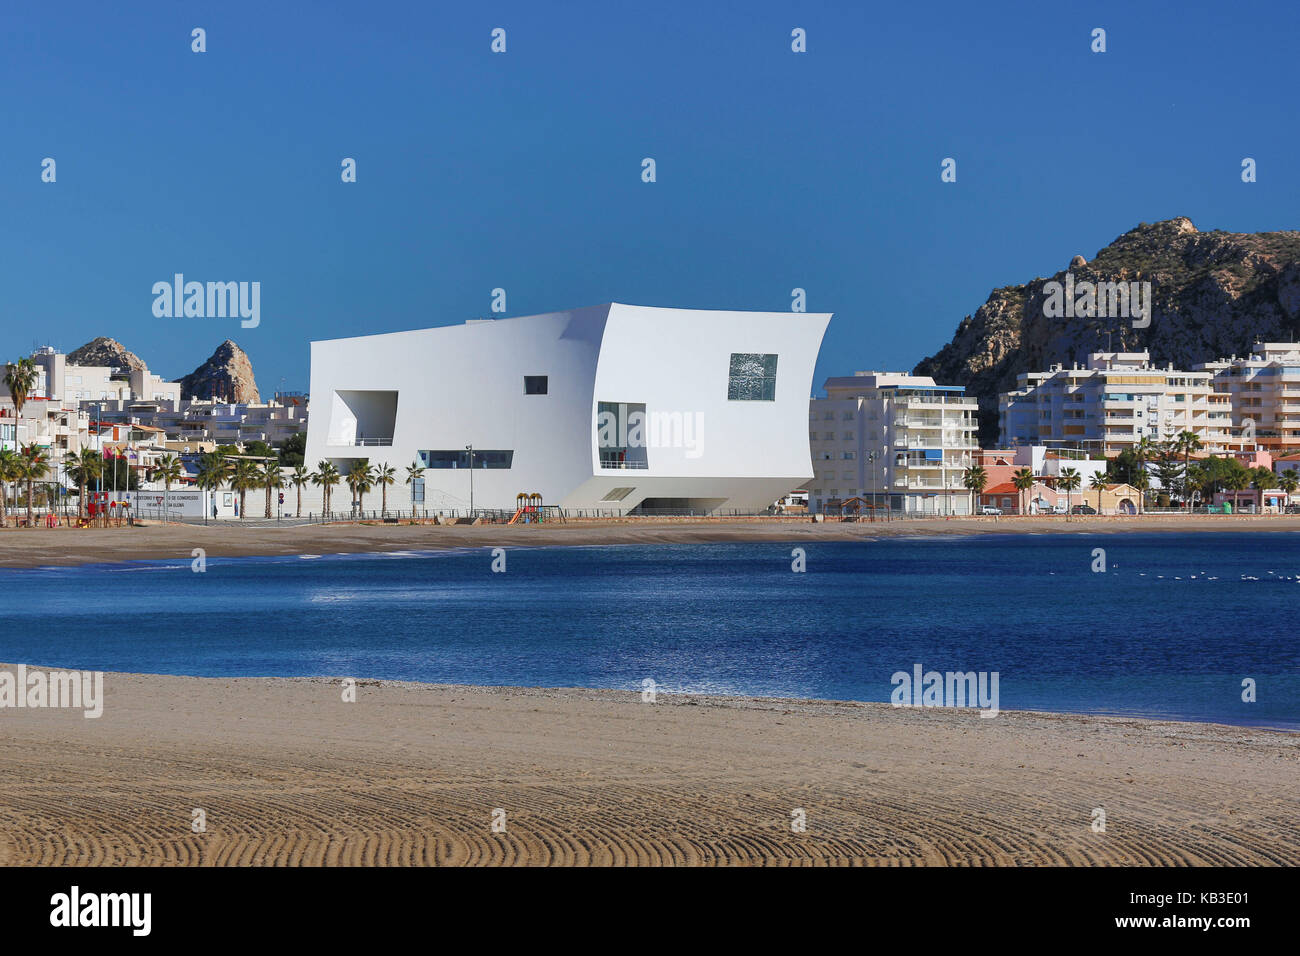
(22, 547)
(287, 773)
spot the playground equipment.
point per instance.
(530, 509)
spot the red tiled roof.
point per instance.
(1005, 488)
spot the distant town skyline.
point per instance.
(522, 170)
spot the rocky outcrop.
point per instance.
(1214, 294)
(105, 351)
(226, 376)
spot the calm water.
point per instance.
(1170, 629)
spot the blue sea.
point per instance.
(1170, 629)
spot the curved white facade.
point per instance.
(551, 403)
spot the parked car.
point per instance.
(1083, 510)
(990, 510)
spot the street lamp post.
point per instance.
(884, 478)
(470, 449)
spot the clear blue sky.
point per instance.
(776, 170)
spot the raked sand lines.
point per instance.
(287, 774)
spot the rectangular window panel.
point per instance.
(535, 384)
(753, 378)
(485, 458)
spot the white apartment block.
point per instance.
(57, 427)
(896, 440)
(199, 420)
(1264, 391)
(88, 383)
(1112, 402)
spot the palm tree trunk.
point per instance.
(297, 513)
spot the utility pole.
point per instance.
(470, 449)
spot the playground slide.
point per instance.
(516, 517)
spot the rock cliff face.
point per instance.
(105, 351)
(1213, 294)
(226, 376)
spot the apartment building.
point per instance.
(198, 420)
(58, 427)
(89, 383)
(896, 440)
(1113, 401)
(1263, 390)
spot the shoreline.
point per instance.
(696, 697)
(410, 774)
(30, 548)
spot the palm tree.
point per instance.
(35, 465)
(1194, 480)
(384, 476)
(327, 476)
(975, 479)
(299, 478)
(1098, 484)
(270, 477)
(414, 472)
(1144, 451)
(1288, 482)
(167, 470)
(1187, 442)
(83, 467)
(244, 476)
(10, 471)
(20, 379)
(1069, 479)
(1023, 480)
(1236, 482)
(359, 478)
(213, 472)
(1141, 481)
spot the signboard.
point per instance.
(178, 503)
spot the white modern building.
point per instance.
(898, 441)
(612, 408)
(1113, 401)
(1264, 391)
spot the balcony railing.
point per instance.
(615, 463)
(360, 442)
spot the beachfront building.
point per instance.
(89, 383)
(1046, 497)
(612, 409)
(195, 422)
(898, 441)
(1113, 401)
(1263, 390)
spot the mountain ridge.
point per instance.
(1213, 294)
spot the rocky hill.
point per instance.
(1213, 294)
(105, 351)
(226, 376)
